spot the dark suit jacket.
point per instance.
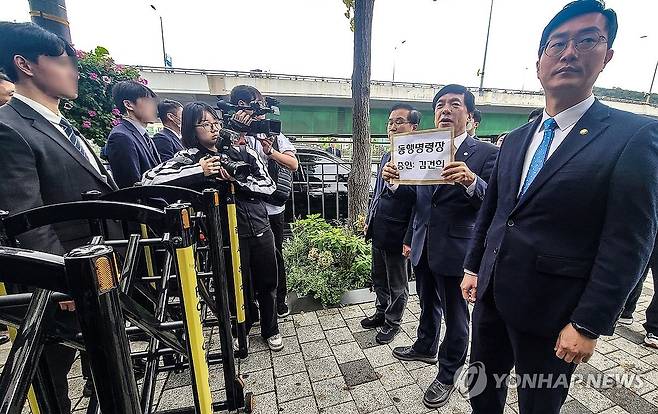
(445, 215)
(129, 155)
(389, 215)
(574, 245)
(167, 144)
(39, 166)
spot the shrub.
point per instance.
(325, 261)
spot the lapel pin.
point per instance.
(466, 153)
(584, 131)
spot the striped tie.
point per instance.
(541, 154)
(73, 137)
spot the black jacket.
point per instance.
(389, 214)
(167, 144)
(39, 166)
(130, 154)
(184, 170)
(571, 248)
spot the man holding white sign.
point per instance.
(443, 225)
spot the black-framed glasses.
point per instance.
(398, 122)
(583, 43)
(211, 126)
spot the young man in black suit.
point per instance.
(44, 159)
(443, 223)
(130, 149)
(567, 225)
(168, 141)
(387, 224)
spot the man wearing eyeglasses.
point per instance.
(386, 224)
(567, 225)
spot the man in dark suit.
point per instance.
(443, 225)
(567, 225)
(129, 149)
(44, 159)
(472, 127)
(387, 223)
(168, 141)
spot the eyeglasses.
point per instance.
(582, 43)
(398, 122)
(210, 126)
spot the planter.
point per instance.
(298, 304)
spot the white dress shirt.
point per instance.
(55, 119)
(565, 122)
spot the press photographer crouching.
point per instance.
(212, 159)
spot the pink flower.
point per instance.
(116, 112)
(92, 113)
(107, 79)
(93, 76)
(80, 54)
(120, 68)
(143, 81)
(115, 122)
(86, 124)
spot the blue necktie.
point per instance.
(72, 136)
(541, 154)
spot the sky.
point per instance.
(444, 39)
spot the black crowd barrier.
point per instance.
(183, 242)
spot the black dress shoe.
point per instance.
(407, 353)
(438, 394)
(374, 321)
(386, 334)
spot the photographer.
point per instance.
(199, 167)
(279, 155)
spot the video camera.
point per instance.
(268, 127)
(237, 169)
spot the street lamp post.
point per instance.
(486, 47)
(164, 52)
(395, 53)
(653, 79)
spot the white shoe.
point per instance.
(651, 340)
(275, 342)
(625, 321)
(236, 344)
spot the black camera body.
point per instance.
(268, 127)
(237, 169)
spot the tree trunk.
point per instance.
(51, 15)
(359, 180)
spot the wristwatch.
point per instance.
(584, 331)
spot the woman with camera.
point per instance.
(210, 161)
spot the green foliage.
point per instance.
(93, 112)
(349, 12)
(625, 94)
(325, 261)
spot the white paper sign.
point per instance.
(421, 156)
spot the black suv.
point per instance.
(320, 185)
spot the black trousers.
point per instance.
(390, 283)
(497, 348)
(258, 260)
(276, 223)
(440, 295)
(651, 324)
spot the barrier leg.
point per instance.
(187, 281)
(92, 278)
(25, 353)
(234, 388)
(237, 273)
